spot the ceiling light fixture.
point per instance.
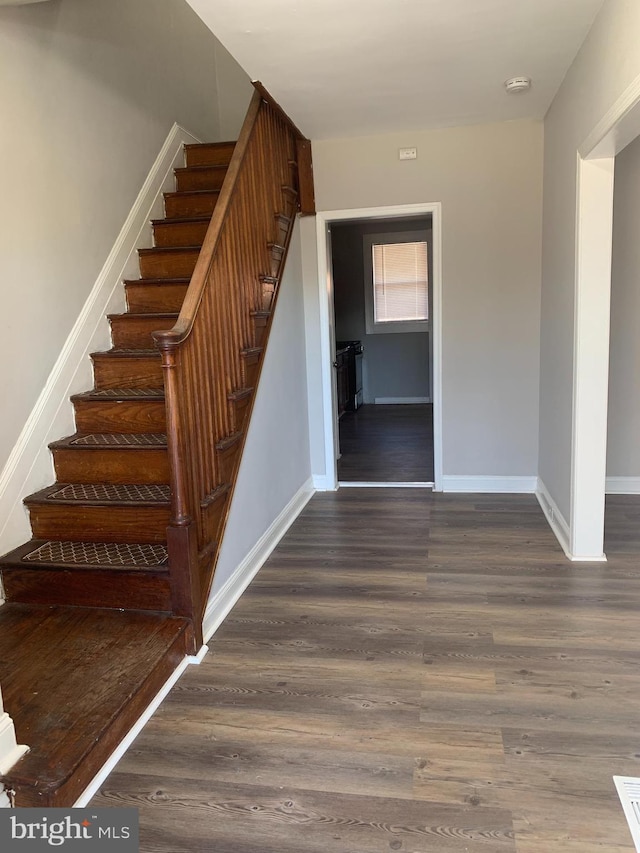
(517, 84)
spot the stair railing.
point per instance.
(206, 355)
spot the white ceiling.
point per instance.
(356, 67)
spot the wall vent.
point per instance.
(629, 793)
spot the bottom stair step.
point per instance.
(75, 680)
(88, 574)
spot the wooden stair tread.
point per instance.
(166, 250)
(121, 394)
(102, 494)
(164, 282)
(126, 353)
(38, 554)
(106, 440)
(181, 220)
(76, 679)
(129, 315)
(229, 441)
(239, 394)
(251, 352)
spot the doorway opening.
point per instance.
(381, 345)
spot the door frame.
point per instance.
(595, 162)
(324, 218)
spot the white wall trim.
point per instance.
(327, 332)
(352, 484)
(10, 750)
(322, 483)
(488, 485)
(560, 526)
(557, 521)
(400, 401)
(94, 786)
(593, 245)
(223, 601)
(623, 485)
(29, 466)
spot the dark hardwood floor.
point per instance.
(387, 444)
(412, 672)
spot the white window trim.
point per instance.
(399, 326)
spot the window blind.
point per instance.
(400, 282)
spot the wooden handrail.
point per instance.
(212, 357)
(173, 337)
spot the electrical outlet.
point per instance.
(407, 153)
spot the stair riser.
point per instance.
(209, 155)
(180, 233)
(198, 204)
(276, 262)
(260, 326)
(200, 179)
(109, 465)
(239, 410)
(176, 264)
(143, 372)
(268, 295)
(120, 416)
(226, 462)
(136, 333)
(88, 588)
(100, 523)
(155, 298)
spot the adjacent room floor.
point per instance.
(387, 444)
(409, 671)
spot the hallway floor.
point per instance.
(387, 444)
(412, 672)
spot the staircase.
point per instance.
(100, 532)
(133, 524)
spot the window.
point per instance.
(400, 287)
(396, 270)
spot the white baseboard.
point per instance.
(10, 750)
(488, 485)
(557, 521)
(224, 599)
(622, 486)
(29, 467)
(321, 483)
(135, 730)
(400, 401)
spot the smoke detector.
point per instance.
(517, 84)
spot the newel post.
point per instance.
(182, 535)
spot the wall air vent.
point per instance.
(629, 793)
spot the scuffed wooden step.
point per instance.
(156, 296)
(127, 369)
(193, 178)
(180, 232)
(112, 458)
(190, 204)
(133, 331)
(121, 410)
(209, 153)
(97, 512)
(76, 680)
(169, 262)
(88, 574)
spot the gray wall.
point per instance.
(488, 179)
(89, 92)
(623, 448)
(276, 462)
(395, 365)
